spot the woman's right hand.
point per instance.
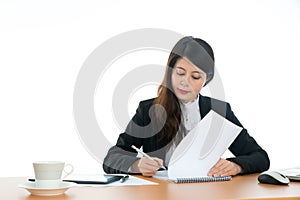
(146, 166)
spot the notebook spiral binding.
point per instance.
(202, 179)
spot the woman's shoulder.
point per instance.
(208, 103)
(210, 100)
(147, 103)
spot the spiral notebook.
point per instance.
(163, 175)
(201, 179)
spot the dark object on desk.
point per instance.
(273, 177)
(105, 179)
(108, 179)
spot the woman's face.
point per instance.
(187, 80)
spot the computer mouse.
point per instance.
(273, 177)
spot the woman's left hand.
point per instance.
(225, 168)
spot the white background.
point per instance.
(43, 45)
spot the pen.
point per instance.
(144, 154)
(124, 178)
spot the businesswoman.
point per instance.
(162, 122)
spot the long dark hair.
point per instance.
(166, 96)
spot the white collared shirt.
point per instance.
(190, 116)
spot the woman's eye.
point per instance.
(196, 77)
(180, 72)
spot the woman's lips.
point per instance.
(182, 91)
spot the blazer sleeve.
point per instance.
(121, 156)
(248, 154)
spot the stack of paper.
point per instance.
(202, 147)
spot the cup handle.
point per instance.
(68, 169)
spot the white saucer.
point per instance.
(30, 187)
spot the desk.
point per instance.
(240, 187)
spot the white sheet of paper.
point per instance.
(202, 147)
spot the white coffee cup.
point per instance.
(48, 174)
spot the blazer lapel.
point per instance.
(204, 105)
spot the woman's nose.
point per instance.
(184, 81)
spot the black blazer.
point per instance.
(139, 132)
